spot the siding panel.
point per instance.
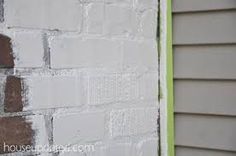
(217, 61)
(202, 5)
(183, 151)
(205, 97)
(204, 38)
(206, 131)
(204, 28)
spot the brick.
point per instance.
(47, 91)
(19, 131)
(44, 14)
(140, 54)
(78, 128)
(107, 88)
(120, 20)
(119, 150)
(96, 17)
(147, 4)
(6, 56)
(149, 24)
(119, 1)
(13, 98)
(148, 147)
(69, 52)
(28, 50)
(128, 122)
(72, 154)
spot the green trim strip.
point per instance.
(170, 96)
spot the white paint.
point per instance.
(74, 52)
(120, 20)
(107, 88)
(28, 49)
(38, 126)
(140, 54)
(102, 84)
(52, 91)
(44, 14)
(76, 128)
(120, 150)
(96, 17)
(128, 122)
(148, 147)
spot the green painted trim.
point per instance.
(170, 95)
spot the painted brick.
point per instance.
(71, 153)
(89, 150)
(128, 122)
(120, 20)
(147, 4)
(105, 88)
(13, 98)
(28, 49)
(53, 91)
(119, 1)
(96, 15)
(140, 54)
(6, 56)
(78, 128)
(120, 150)
(71, 52)
(148, 24)
(28, 130)
(45, 14)
(147, 147)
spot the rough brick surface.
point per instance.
(78, 128)
(120, 20)
(147, 147)
(19, 131)
(52, 14)
(133, 121)
(53, 91)
(79, 71)
(13, 98)
(107, 88)
(6, 56)
(8, 134)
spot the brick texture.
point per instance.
(52, 14)
(13, 98)
(20, 131)
(78, 72)
(138, 121)
(8, 134)
(79, 128)
(6, 59)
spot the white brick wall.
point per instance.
(74, 128)
(49, 91)
(128, 122)
(74, 52)
(28, 49)
(89, 72)
(44, 14)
